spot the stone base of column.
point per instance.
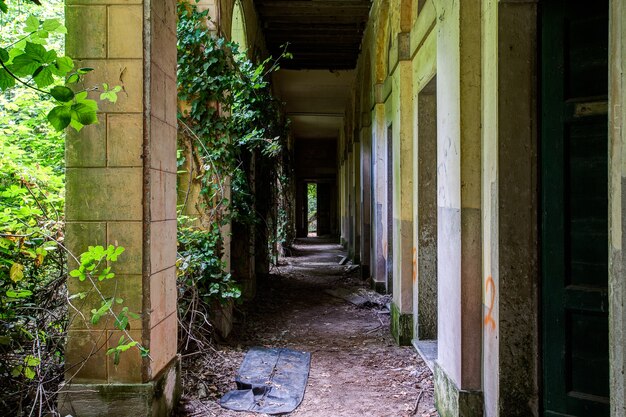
(453, 402)
(378, 286)
(157, 398)
(401, 326)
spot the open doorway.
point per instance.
(389, 262)
(311, 211)
(425, 238)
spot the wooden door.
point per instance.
(574, 86)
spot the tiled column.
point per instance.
(121, 190)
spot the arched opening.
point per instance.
(238, 30)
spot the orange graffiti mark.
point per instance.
(489, 320)
(414, 264)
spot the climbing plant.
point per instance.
(227, 114)
(229, 109)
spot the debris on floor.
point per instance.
(356, 367)
(270, 381)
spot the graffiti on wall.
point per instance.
(414, 264)
(490, 291)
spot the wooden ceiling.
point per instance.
(322, 34)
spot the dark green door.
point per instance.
(574, 85)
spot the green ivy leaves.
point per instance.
(27, 61)
(92, 260)
(75, 110)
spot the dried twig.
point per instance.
(417, 403)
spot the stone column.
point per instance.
(402, 103)
(121, 190)
(366, 195)
(617, 206)
(379, 277)
(350, 200)
(355, 189)
(509, 188)
(458, 376)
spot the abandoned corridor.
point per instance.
(469, 155)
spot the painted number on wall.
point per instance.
(490, 289)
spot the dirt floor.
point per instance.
(356, 368)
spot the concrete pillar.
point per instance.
(617, 206)
(402, 104)
(350, 201)
(355, 189)
(425, 215)
(121, 190)
(458, 376)
(366, 199)
(379, 278)
(509, 209)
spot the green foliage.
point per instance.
(312, 207)
(230, 111)
(200, 266)
(31, 57)
(94, 261)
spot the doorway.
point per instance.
(389, 248)
(311, 213)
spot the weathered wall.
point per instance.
(510, 246)
(464, 190)
(617, 209)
